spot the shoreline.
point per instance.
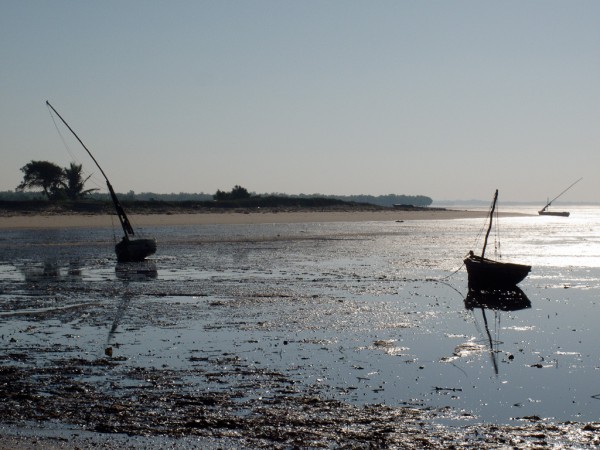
(238, 217)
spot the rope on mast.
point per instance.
(127, 228)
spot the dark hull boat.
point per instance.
(544, 211)
(554, 213)
(488, 273)
(130, 248)
(485, 272)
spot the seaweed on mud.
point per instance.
(164, 406)
(301, 343)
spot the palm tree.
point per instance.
(73, 183)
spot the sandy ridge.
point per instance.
(44, 221)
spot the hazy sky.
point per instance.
(449, 99)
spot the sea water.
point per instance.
(365, 312)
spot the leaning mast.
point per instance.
(550, 202)
(123, 219)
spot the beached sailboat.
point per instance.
(130, 248)
(488, 273)
(544, 211)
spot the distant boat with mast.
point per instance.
(130, 248)
(544, 211)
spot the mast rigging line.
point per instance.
(80, 141)
(91, 176)
(570, 186)
(125, 224)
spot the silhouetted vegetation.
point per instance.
(389, 200)
(73, 184)
(55, 182)
(187, 206)
(184, 201)
(42, 175)
(276, 202)
(237, 193)
(67, 185)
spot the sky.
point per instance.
(448, 99)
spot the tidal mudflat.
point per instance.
(311, 335)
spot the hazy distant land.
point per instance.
(19, 202)
(99, 211)
(43, 214)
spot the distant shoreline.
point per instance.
(49, 220)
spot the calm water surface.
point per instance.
(363, 312)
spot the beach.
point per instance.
(28, 220)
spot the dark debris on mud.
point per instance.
(218, 398)
(160, 404)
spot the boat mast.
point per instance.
(125, 224)
(490, 226)
(550, 202)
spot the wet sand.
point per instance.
(39, 221)
(96, 417)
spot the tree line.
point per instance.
(57, 183)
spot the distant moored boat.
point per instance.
(544, 211)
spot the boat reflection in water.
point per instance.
(50, 270)
(121, 309)
(496, 300)
(129, 271)
(136, 271)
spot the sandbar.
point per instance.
(49, 221)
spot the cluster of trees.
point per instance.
(380, 200)
(388, 200)
(56, 182)
(240, 193)
(237, 193)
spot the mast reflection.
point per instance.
(136, 271)
(129, 272)
(50, 270)
(511, 299)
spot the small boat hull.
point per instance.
(554, 213)
(132, 250)
(487, 273)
